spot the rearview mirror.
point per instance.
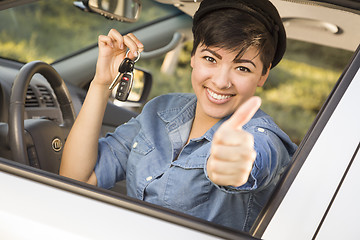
(121, 10)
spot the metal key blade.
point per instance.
(116, 81)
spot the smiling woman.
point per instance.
(214, 149)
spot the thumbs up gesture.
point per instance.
(232, 151)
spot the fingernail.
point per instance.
(135, 53)
(122, 46)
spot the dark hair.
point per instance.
(234, 30)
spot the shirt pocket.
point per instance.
(186, 188)
(142, 145)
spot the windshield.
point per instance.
(52, 30)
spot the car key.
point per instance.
(125, 78)
(126, 65)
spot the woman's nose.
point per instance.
(221, 78)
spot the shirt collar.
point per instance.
(174, 117)
(210, 133)
(185, 111)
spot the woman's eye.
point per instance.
(210, 59)
(243, 69)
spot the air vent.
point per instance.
(46, 97)
(31, 100)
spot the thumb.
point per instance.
(244, 113)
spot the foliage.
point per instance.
(45, 41)
(295, 100)
(298, 87)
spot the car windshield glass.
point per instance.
(52, 30)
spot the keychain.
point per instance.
(125, 78)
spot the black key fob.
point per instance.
(124, 78)
(124, 87)
(127, 65)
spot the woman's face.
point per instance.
(221, 82)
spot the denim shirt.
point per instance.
(149, 153)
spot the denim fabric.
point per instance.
(149, 153)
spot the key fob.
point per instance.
(124, 78)
(127, 65)
(124, 87)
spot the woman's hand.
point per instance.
(112, 51)
(232, 151)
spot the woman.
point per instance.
(213, 155)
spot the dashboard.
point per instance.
(41, 103)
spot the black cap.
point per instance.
(262, 10)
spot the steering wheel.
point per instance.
(38, 142)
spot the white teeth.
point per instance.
(217, 96)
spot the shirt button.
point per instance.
(135, 144)
(149, 178)
(261, 130)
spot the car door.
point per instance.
(318, 197)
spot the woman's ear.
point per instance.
(192, 61)
(264, 77)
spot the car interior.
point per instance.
(41, 96)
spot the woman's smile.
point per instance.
(218, 98)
